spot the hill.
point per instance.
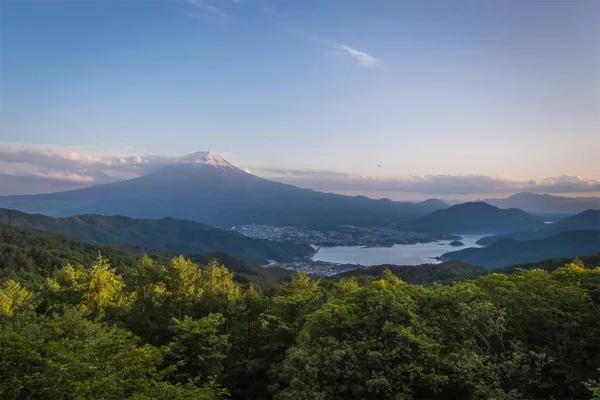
(475, 217)
(546, 203)
(549, 264)
(425, 274)
(508, 251)
(244, 271)
(28, 255)
(169, 234)
(589, 219)
(449, 272)
(205, 188)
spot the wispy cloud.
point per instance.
(343, 50)
(37, 169)
(361, 57)
(438, 185)
(208, 8)
(50, 168)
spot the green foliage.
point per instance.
(13, 297)
(30, 256)
(444, 273)
(98, 288)
(172, 329)
(67, 356)
(102, 289)
(166, 234)
(199, 346)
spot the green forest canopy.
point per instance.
(183, 331)
(75, 324)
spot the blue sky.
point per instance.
(378, 89)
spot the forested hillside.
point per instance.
(78, 324)
(587, 220)
(181, 331)
(169, 234)
(475, 217)
(425, 274)
(508, 251)
(28, 256)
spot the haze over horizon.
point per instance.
(404, 100)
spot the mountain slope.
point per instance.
(455, 271)
(425, 274)
(508, 251)
(546, 204)
(28, 255)
(475, 217)
(177, 236)
(589, 219)
(205, 188)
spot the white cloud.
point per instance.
(363, 58)
(438, 185)
(38, 169)
(52, 168)
(343, 50)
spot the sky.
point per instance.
(398, 99)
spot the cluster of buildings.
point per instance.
(347, 235)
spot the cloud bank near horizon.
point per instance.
(37, 169)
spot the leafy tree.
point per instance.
(369, 345)
(67, 356)
(183, 284)
(12, 297)
(103, 288)
(74, 326)
(217, 287)
(149, 313)
(199, 347)
(245, 373)
(98, 288)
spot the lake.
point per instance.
(399, 254)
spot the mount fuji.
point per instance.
(205, 187)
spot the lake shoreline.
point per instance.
(397, 254)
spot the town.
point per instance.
(346, 235)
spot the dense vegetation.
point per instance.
(74, 325)
(168, 234)
(425, 274)
(28, 256)
(182, 331)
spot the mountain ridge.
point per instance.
(474, 217)
(587, 220)
(220, 197)
(546, 203)
(169, 234)
(509, 251)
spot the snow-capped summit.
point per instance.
(202, 158)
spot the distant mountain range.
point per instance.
(589, 220)
(206, 188)
(169, 234)
(508, 251)
(547, 204)
(475, 217)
